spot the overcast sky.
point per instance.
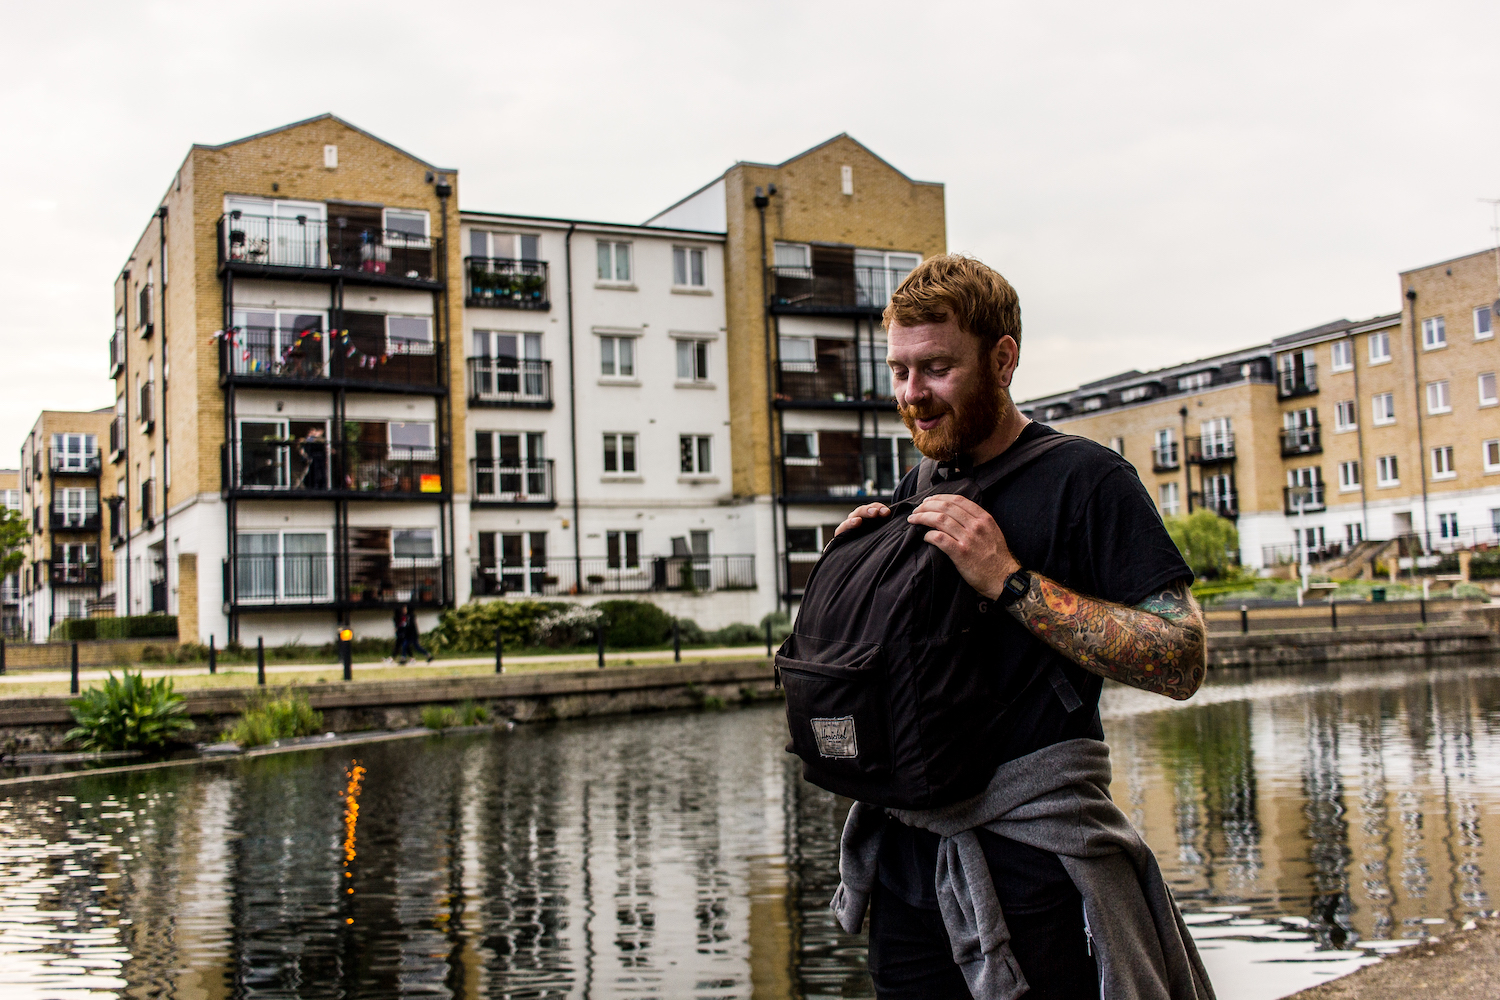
(1159, 181)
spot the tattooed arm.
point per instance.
(1158, 645)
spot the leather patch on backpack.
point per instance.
(835, 736)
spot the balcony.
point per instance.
(1293, 382)
(119, 434)
(840, 477)
(74, 519)
(312, 468)
(1225, 503)
(73, 573)
(1208, 450)
(502, 483)
(73, 463)
(833, 290)
(117, 525)
(116, 354)
(308, 580)
(503, 283)
(302, 248)
(148, 502)
(1301, 441)
(605, 575)
(833, 382)
(1164, 458)
(268, 356)
(510, 382)
(147, 409)
(1303, 499)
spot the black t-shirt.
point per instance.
(1079, 516)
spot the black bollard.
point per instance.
(1333, 613)
(600, 633)
(346, 652)
(676, 641)
(1244, 619)
(499, 651)
(2, 654)
(260, 661)
(768, 635)
(74, 686)
(1424, 610)
(213, 657)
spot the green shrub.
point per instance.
(738, 634)
(271, 716)
(781, 626)
(470, 713)
(1206, 541)
(1469, 591)
(152, 654)
(128, 713)
(471, 628)
(137, 627)
(635, 623)
(572, 625)
(76, 630)
(438, 716)
(690, 632)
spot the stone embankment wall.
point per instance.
(93, 654)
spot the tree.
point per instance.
(14, 531)
(1206, 540)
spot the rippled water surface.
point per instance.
(1306, 823)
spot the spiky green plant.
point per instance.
(129, 713)
(271, 716)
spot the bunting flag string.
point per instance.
(235, 337)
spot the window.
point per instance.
(405, 227)
(793, 255)
(1198, 380)
(1434, 333)
(1218, 438)
(800, 448)
(1354, 533)
(802, 540)
(1448, 525)
(411, 439)
(1380, 347)
(1094, 403)
(1491, 449)
(1383, 405)
(619, 453)
(617, 357)
(692, 360)
(1483, 320)
(1343, 355)
(696, 451)
(10, 499)
(1487, 395)
(516, 565)
(76, 505)
(1168, 496)
(614, 261)
(1117, 445)
(1134, 393)
(74, 451)
(1386, 471)
(1345, 416)
(509, 365)
(1348, 476)
(510, 466)
(1437, 397)
(279, 342)
(878, 274)
(277, 231)
(687, 267)
(289, 567)
(623, 549)
(412, 544)
(798, 354)
(409, 334)
(1165, 451)
(1442, 462)
(504, 246)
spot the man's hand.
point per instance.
(970, 537)
(858, 515)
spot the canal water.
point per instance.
(1307, 823)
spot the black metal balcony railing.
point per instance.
(1304, 499)
(313, 244)
(802, 289)
(510, 382)
(266, 354)
(1224, 503)
(316, 467)
(73, 573)
(836, 380)
(504, 482)
(1301, 441)
(74, 519)
(1297, 382)
(834, 477)
(116, 354)
(147, 409)
(1164, 458)
(1210, 449)
(1284, 554)
(119, 434)
(603, 575)
(309, 579)
(117, 521)
(148, 500)
(71, 463)
(501, 282)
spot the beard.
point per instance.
(973, 418)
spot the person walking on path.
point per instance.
(408, 638)
(1038, 885)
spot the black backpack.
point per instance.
(889, 670)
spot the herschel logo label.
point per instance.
(835, 737)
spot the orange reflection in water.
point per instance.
(356, 775)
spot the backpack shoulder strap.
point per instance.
(1017, 457)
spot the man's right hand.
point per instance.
(858, 515)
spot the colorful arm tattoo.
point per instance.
(1158, 645)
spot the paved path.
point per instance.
(52, 674)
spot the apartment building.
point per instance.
(283, 428)
(63, 495)
(813, 246)
(10, 583)
(598, 417)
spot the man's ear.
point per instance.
(1006, 355)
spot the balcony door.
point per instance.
(510, 465)
(76, 505)
(278, 231)
(877, 275)
(513, 562)
(291, 567)
(74, 452)
(263, 447)
(280, 343)
(511, 364)
(1218, 438)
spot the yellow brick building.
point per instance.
(10, 583)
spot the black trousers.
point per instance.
(912, 959)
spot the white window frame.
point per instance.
(622, 539)
(1382, 340)
(807, 364)
(1434, 333)
(75, 504)
(618, 250)
(1489, 452)
(1385, 466)
(1195, 381)
(279, 585)
(1344, 347)
(609, 352)
(1169, 498)
(688, 256)
(1447, 524)
(693, 350)
(1439, 397)
(1345, 415)
(512, 243)
(1487, 315)
(1386, 402)
(614, 447)
(1134, 393)
(407, 344)
(809, 459)
(412, 452)
(283, 335)
(1442, 462)
(1493, 398)
(398, 237)
(433, 559)
(1348, 476)
(783, 254)
(699, 454)
(67, 458)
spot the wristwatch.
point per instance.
(1016, 586)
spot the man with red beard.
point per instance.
(1074, 550)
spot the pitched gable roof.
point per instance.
(327, 116)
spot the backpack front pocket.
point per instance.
(837, 710)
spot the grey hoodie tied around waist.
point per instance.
(1056, 799)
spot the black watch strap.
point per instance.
(1016, 586)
